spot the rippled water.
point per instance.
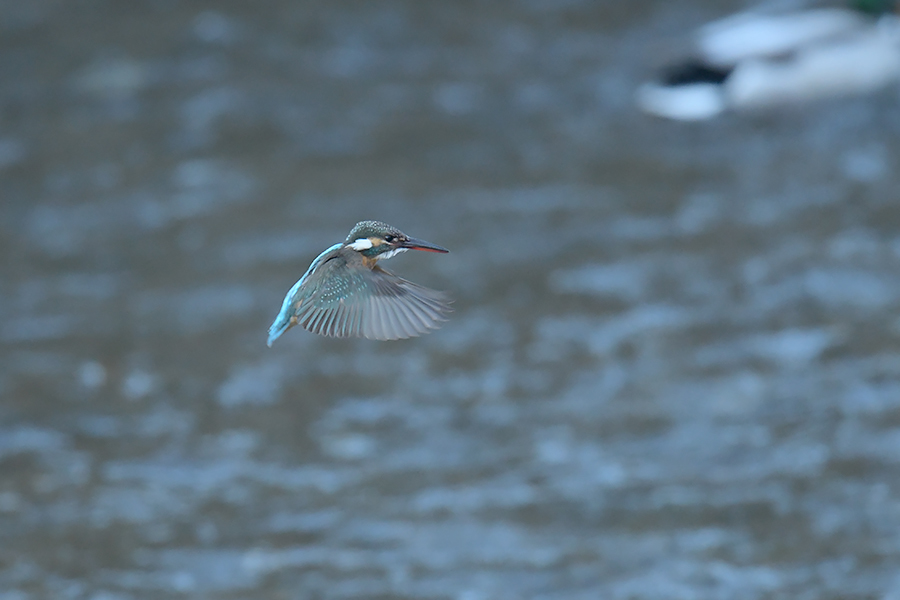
(671, 371)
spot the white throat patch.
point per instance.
(361, 244)
(391, 253)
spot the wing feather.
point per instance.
(394, 322)
(353, 300)
(412, 321)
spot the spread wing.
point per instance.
(373, 303)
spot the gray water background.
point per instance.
(671, 371)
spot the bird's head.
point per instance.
(374, 239)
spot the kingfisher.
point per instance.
(345, 293)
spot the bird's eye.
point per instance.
(389, 238)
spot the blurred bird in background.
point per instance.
(345, 293)
(760, 59)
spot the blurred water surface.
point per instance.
(672, 369)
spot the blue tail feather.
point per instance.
(282, 323)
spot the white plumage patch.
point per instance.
(391, 253)
(361, 244)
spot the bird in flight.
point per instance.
(345, 293)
